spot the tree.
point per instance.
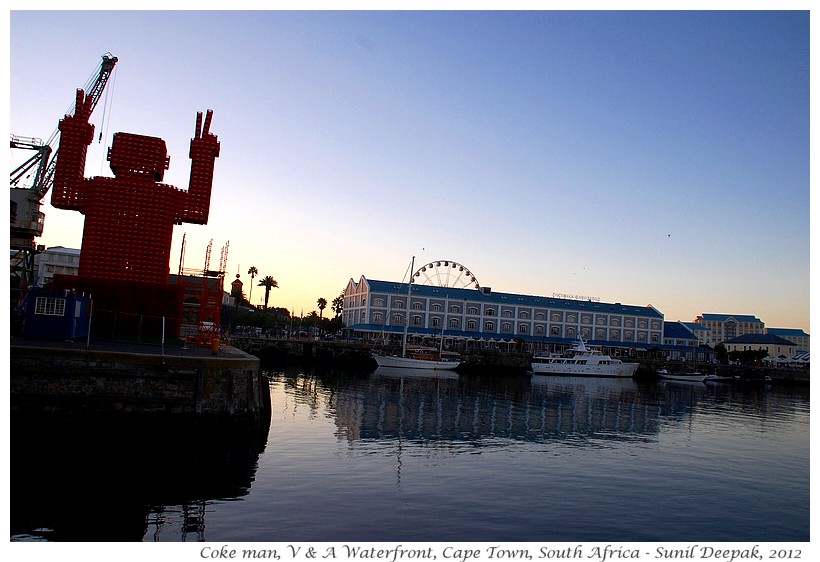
(322, 304)
(269, 283)
(338, 304)
(253, 272)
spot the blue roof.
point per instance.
(478, 295)
(677, 330)
(724, 317)
(793, 332)
(760, 339)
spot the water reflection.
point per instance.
(433, 406)
(105, 480)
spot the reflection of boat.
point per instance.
(582, 361)
(692, 376)
(394, 372)
(422, 358)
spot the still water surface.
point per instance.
(384, 456)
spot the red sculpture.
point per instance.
(129, 219)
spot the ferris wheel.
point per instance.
(445, 273)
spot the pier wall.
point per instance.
(81, 381)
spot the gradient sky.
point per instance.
(637, 157)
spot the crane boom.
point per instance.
(94, 93)
(26, 218)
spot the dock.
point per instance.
(120, 379)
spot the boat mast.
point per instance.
(407, 315)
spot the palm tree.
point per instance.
(269, 283)
(321, 303)
(253, 272)
(338, 304)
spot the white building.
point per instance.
(373, 309)
(56, 260)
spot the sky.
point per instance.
(637, 157)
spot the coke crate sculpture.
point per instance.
(129, 219)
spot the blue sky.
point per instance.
(638, 157)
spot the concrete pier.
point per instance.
(119, 378)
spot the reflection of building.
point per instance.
(372, 308)
(434, 409)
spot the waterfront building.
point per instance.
(795, 335)
(722, 327)
(774, 345)
(375, 310)
(56, 260)
(682, 342)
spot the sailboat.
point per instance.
(693, 375)
(423, 358)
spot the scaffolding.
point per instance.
(202, 301)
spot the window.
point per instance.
(539, 330)
(523, 329)
(49, 306)
(455, 309)
(554, 331)
(585, 333)
(506, 327)
(416, 320)
(614, 321)
(540, 316)
(572, 318)
(377, 317)
(600, 333)
(435, 321)
(472, 325)
(436, 307)
(524, 314)
(417, 306)
(489, 311)
(507, 314)
(453, 322)
(555, 317)
(472, 310)
(378, 302)
(398, 319)
(489, 326)
(570, 332)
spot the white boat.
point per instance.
(582, 361)
(691, 376)
(421, 358)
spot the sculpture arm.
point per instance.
(204, 151)
(76, 133)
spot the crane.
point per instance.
(26, 217)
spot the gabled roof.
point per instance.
(511, 299)
(677, 330)
(760, 339)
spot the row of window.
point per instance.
(554, 316)
(471, 325)
(49, 306)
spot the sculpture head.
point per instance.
(132, 154)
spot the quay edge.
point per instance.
(226, 391)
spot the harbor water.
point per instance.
(434, 456)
